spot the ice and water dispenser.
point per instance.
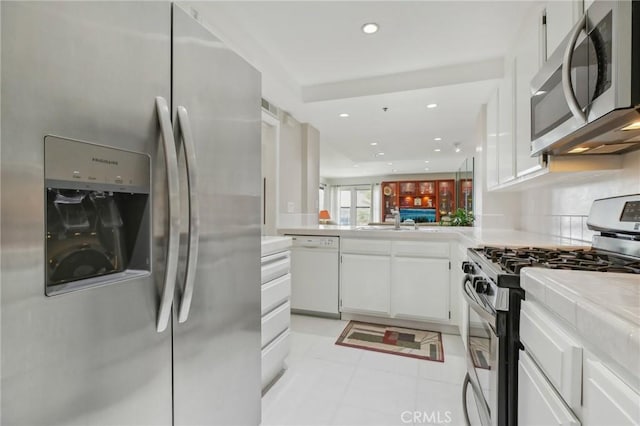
(97, 215)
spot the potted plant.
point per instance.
(460, 217)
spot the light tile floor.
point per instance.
(326, 384)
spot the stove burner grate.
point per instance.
(513, 259)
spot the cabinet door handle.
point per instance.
(171, 164)
(567, 83)
(194, 213)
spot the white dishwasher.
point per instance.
(315, 275)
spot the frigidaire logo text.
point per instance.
(102, 160)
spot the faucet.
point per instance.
(396, 218)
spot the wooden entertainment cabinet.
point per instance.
(428, 195)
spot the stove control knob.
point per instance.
(467, 268)
(481, 286)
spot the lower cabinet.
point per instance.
(420, 288)
(538, 401)
(365, 283)
(276, 311)
(399, 279)
(607, 399)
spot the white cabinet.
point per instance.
(365, 276)
(398, 279)
(275, 308)
(561, 16)
(607, 400)
(420, 288)
(527, 63)
(420, 280)
(555, 350)
(364, 283)
(538, 402)
(506, 103)
(491, 153)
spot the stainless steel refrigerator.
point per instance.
(130, 235)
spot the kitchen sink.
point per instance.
(383, 228)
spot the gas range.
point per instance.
(491, 288)
(615, 249)
(511, 260)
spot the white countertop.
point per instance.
(274, 244)
(603, 308)
(470, 236)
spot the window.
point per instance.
(321, 198)
(354, 204)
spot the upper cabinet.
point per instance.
(528, 59)
(506, 102)
(561, 16)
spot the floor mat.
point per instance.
(409, 342)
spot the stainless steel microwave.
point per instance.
(586, 98)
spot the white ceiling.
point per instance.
(316, 63)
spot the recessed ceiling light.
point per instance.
(389, 164)
(457, 149)
(344, 115)
(437, 139)
(373, 143)
(370, 28)
(394, 170)
(356, 165)
(426, 168)
(432, 105)
(437, 150)
(380, 154)
(426, 161)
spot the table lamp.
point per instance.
(324, 216)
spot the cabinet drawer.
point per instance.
(420, 249)
(275, 322)
(274, 266)
(538, 402)
(558, 354)
(607, 399)
(273, 357)
(366, 246)
(275, 292)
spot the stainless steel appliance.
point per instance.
(492, 290)
(130, 218)
(315, 276)
(586, 98)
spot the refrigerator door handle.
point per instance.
(171, 164)
(194, 213)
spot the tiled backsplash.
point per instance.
(562, 209)
(565, 226)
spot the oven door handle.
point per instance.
(567, 83)
(487, 316)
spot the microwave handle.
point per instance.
(171, 164)
(567, 84)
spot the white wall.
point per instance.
(310, 169)
(289, 171)
(561, 209)
(298, 173)
(269, 176)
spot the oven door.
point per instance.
(482, 354)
